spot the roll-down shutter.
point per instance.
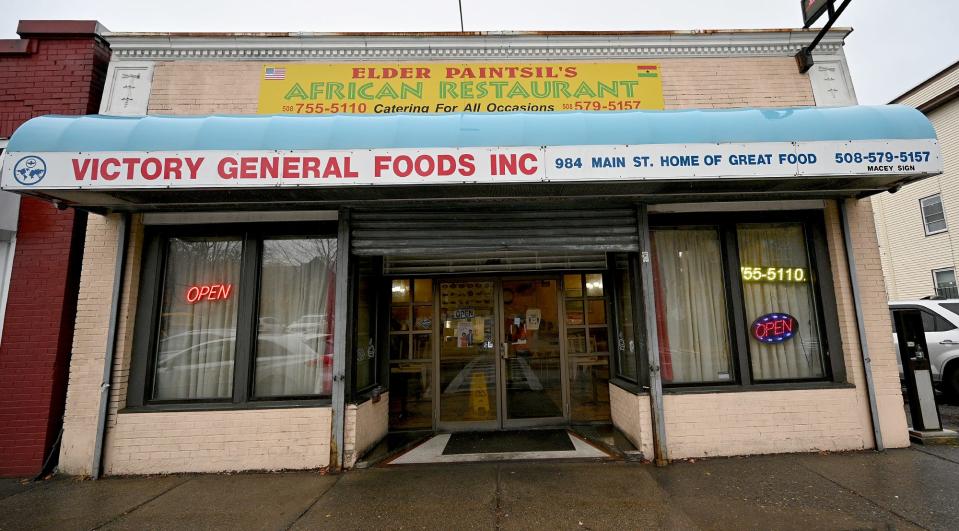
(457, 232)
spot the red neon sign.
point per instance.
(208, 292)
(774, 327)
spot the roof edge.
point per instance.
(931, 79)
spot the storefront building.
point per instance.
(474, 232)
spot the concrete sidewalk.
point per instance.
(903, 489)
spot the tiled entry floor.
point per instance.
(500, 446)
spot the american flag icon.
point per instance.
(274, 73)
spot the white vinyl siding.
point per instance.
(908, 255)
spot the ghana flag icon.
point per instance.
(647, 71)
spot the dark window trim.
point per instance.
(149, 298)
(824, 293)
(922, 214)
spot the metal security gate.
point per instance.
(493, 240)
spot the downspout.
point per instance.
(652, 340)
(110, 353)
(340, 317)
(863, 343)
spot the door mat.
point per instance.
(509, 441)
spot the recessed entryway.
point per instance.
(465, 447)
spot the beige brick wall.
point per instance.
(135, 443)
(89, 345)
(764, 422)
(631, 415)
(366, 424)
(876, 318)
(219, 441)
(735, 82)
(232, 87)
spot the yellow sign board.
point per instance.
(424, 88)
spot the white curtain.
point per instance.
(691, 305)
(780, 246)
(294, 353)
(197, 336)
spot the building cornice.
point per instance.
(433, 46)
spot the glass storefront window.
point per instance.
(784, 342)
(364, 343)
(587, 347)
(233, 304)
(690, 299)
(294, 356)
(626, 342)
(196, 341)
(411, 354)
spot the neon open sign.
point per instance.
(775, 327)
(208, 292)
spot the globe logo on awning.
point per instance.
(30, 170)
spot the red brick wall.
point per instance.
(62, 75)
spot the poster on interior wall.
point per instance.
(440, 88)
(533, 318)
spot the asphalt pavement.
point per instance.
(899, 489)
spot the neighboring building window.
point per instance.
(739, 302)
(209, 292)
(933, 217)
(945, 282)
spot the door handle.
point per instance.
(505, 353)
(948, 342)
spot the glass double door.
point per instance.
(499, 355)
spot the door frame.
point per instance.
(503, 417)
(502, 422)
(452, 426)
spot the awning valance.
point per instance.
(132, 159)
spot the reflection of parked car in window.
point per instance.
(940, 320)
(285, 364)
(312, 323)
(270, 325)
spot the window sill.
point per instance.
(783, 386)
(368, 394)
(943, 231)
(629, 387)
(266, 404)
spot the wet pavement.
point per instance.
(900, 489)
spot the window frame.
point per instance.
(824, 295)
(935, 280)
(922, 214)
(149, 299)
